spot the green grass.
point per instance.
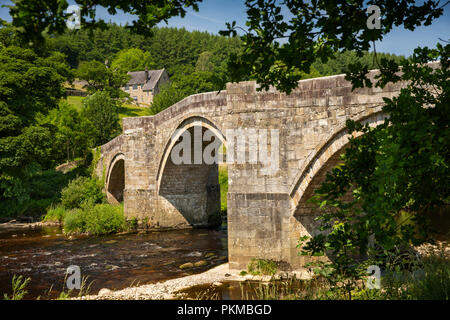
(76, 101)
(55, 214)
(223, 181)
(19, 284)
(262, 267)
(129, 110)
(125, 111)
(95, 219)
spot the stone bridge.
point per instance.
(266, 213)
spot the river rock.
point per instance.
(111, 267)
(194, 254)
(187, 265)
(200, 263)
(104, 292)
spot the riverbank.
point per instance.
(168, 290)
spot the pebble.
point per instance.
(104, 292)
(200, 263)
(187, 265)
(111, 267)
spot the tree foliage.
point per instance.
(132, 60)
(396, 172)
(284, 37)
(101, 113)
(69, 130)
(101, 78)
(29, 85)
(32, 18)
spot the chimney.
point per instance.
(146, 74)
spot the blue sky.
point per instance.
(213, 14)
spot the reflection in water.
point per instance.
(113, 262)
(287, 289)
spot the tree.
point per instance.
(204, 62)
(101, 112)
(168, 95)
(101, 78)
(313, 30)
(183, 86)
(70, 137)
(29, 85)
(396, 172)
(32, 18)
(132, 60)
(341, 61)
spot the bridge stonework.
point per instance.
(267, 213)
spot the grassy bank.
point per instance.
(83, 209)
(92, 219)
(126, 110)
(430, 282)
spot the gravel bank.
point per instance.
(166, 289)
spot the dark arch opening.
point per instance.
(116, 182)
(193, 189)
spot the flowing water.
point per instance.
(113, 262)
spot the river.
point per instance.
(113, 261)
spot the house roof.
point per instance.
(139, 78)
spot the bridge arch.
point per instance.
(115, 179)
(322, 160)
(191, 190)
(186, 124)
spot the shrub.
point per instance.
(81, 190)
(435, 284)
(56, 213)
(95, 219)
(74, 221)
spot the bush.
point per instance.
(81, 190)
(435, 284)
(95, 219)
